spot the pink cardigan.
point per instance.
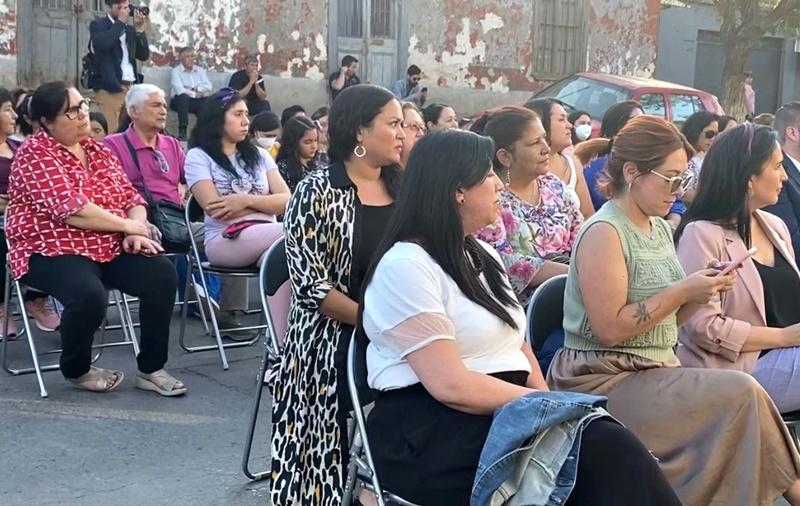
(713, 337)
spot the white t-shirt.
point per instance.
(200, 167)
(412, 302)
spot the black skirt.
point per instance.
(426, 452)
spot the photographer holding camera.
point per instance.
(117, 46)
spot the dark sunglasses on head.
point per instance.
(710, 134)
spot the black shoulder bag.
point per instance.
(168, 217)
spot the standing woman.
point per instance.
(700, 129)
(297, 156)
(334, 222)
(558, 133)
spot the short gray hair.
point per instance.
(788, 115)
(139, 93)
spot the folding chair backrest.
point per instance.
(546, 311)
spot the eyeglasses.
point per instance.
(678, 182)
(710, 134)
(416, 128)
(75, 111)
(162, 162)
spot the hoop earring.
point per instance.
(360, 151)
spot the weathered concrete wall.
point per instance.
(624, 36)
(487, 45)
(290, 37)
(8, 27)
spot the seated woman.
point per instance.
(558, 133)
(439, 117)
(755, 328)
(539, 217)
(626, 294)
(593, 155)
(236, 182)
(700, 129)
(265, 128)
(35, 302)
(78, 227)
(297, 156)
(334, 223)
(447, 348)
(413, 126)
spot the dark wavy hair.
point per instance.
(48, 101)
(432, 113)
(727, 168)
(543, 107)
(442, 163)
(207, 133)
(294, 130)
(694, 125)
(24, 115)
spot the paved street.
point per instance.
(130, 447)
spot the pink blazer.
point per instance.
(713, 337)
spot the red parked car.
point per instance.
(595, 93)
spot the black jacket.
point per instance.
(788, 206)
(105, 36)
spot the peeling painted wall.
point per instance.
(8, 27)
(486, 44)
(290, 36)
(623, 36)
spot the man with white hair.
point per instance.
(157, 160)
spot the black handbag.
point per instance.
(168, 217)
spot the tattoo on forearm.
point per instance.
(642, 314)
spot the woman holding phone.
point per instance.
(755, 327)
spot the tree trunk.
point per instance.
(733, 101)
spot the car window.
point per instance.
(580, 93)
(684, 106)
(654, 104)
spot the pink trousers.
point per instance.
(249, 249)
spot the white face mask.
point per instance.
(266, 142)
(582, 132)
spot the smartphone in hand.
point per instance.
(738, 262)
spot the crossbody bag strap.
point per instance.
(135, 158)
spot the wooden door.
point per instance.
(368, 30)
(53, 37)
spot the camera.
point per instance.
(142, 9)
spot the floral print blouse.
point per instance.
(695, 165)
(525, 234)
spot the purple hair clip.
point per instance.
(225, 95)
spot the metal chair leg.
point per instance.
(352, 467)
(220, 347)
(251, 427)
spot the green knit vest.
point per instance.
(652, 266)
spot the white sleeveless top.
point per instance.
(573, 179)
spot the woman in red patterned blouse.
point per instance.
(77, 227)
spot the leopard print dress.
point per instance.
(306, 437)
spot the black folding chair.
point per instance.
(204, 268)
(362, 467)
(274, 272)
(545, 311)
